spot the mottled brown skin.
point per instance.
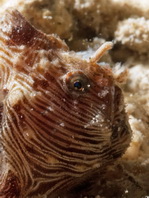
(54, 136)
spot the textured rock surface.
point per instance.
(127, 23)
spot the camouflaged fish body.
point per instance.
(62, 118)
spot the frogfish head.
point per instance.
(62, 117)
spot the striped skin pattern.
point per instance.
(62, 118)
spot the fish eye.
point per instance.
(77, 82)
(78, 85)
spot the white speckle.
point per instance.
(103, 93)
(126, 191)
(103, 106)
(47, 92)
(97, 119)
(62, 124)
(75, 102)
(21, 116)
(27, 134)
(48, 17)
(85, 126)
(50, 108)
(33, 94)
(64, 99)
(44, 112)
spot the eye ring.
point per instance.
(77, 82)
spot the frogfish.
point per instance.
(62, 117)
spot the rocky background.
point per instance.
(85, 25)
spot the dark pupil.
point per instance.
(77, 85)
